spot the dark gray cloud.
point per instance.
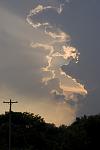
(20, 73)
(82, 23)
(20, 68)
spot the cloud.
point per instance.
(17, 61)
(66, 52)
(30, 56)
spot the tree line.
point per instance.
(31, 132)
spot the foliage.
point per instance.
(30, 132)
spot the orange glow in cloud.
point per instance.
(58, 52)
(66, 53)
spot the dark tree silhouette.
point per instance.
(31, 132)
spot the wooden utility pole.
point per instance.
(10, 103)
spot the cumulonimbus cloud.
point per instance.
(64, 54)
(23, 67)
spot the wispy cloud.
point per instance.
(66, 52)
(58, 53)
(33, 73)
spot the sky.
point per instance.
(49, 57)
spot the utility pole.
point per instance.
(10, 103)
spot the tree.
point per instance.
(31, 132)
